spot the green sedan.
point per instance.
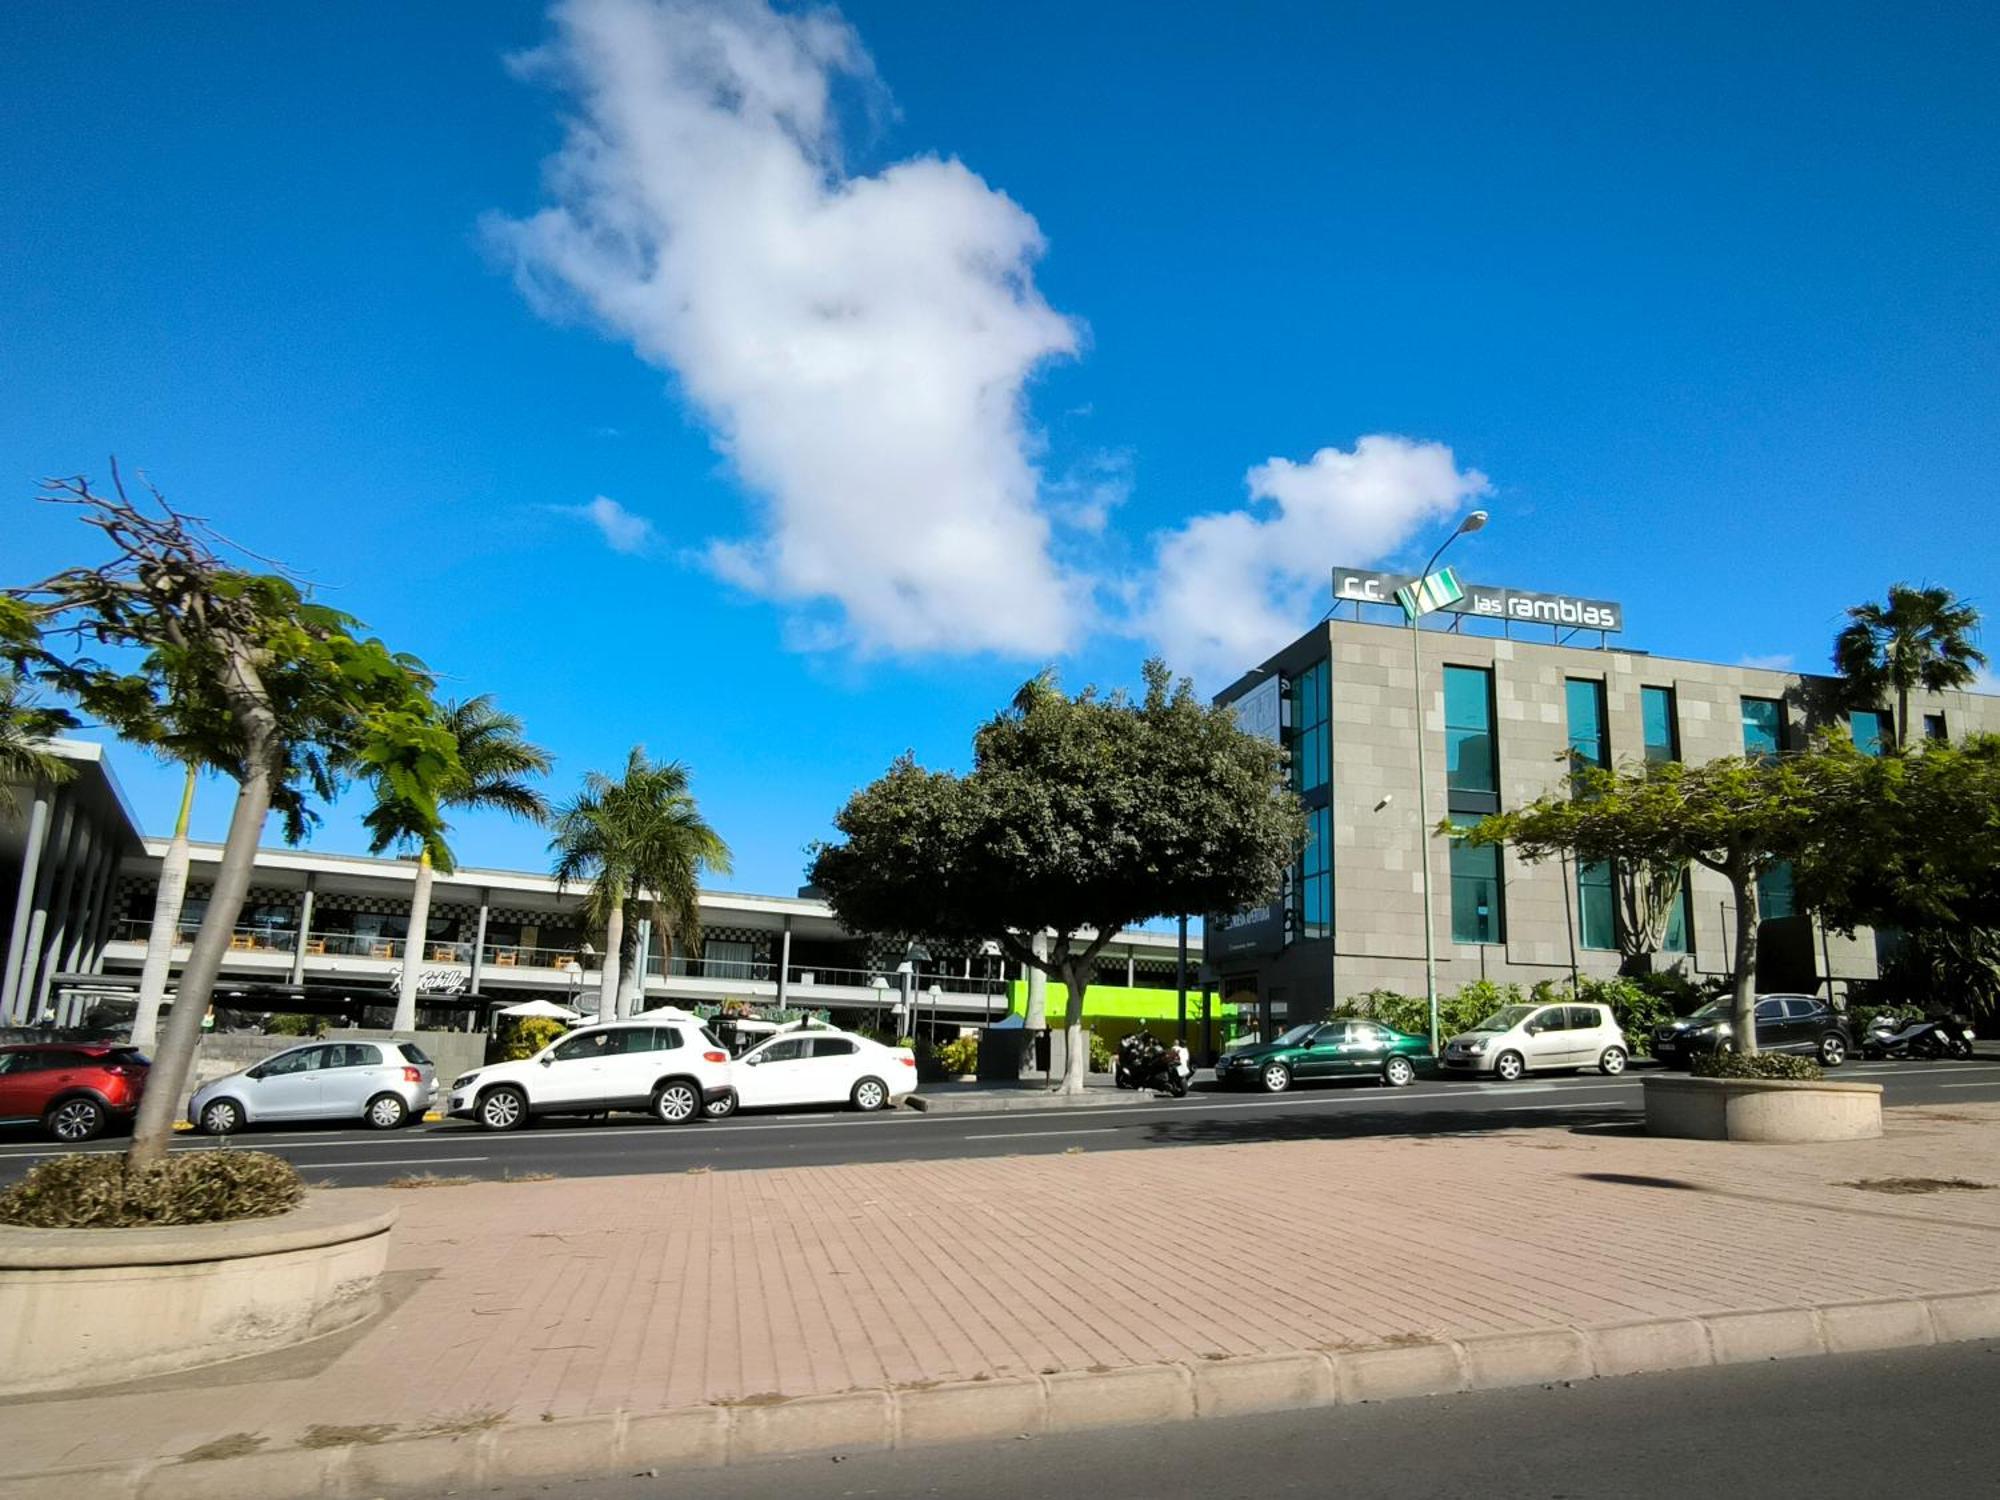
(1325, 1050)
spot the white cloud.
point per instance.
(857, 344)
(1988, 681)
(1772, 661)
(622, 531)
(1230, 588)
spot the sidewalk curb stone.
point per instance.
(857, 1421)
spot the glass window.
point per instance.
(1589, 745)
(1934, 729)
(1476, 915)
(1586, 1018)
(1775, 898)
(1763, 726)
(1596, 913)
(413, 1053)
(298, 1060)
(1548, 1020)
(1661, 724)
(1801, 1010)
(1312, 882)
(791, 1049)
(1470, 762)
(606, 1043)
(1680, 921)
(1770, 1010)
(1871, 730)
(833, 1046)
(353, 1055)
(1308, 733)
(726, 960)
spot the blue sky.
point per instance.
(1706, 299)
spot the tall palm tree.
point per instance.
(493, 771)
(1920, 639)
(25, 730)
(642, 844)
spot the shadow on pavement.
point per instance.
(1240, 1128)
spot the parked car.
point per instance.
(820, 1066)
(1518, 1039)
(73, 1090)
(1324, 1050)
(666, 1063)
(383, 1084)
(1801, 1024)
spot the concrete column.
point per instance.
(77, 870)
(784, 962)
(62, 849)
(83, 908)
(39, 818)
(1131, 970)
(305, 922)
(107, 912)
(479, 941)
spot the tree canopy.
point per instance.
(1919, 638)
(1082, 815)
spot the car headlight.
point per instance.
(1475, 1047)
(463, 1079)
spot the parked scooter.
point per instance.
(1145, 1062)
(1889, 1036)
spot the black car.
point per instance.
(1804, 1025)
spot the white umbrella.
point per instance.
(540, 1010)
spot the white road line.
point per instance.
(1021, 1135)
(1513, 1109)
(397, 1161)
(1991, 1083)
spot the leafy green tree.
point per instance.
(1738, 818)
(491, 770)
(1081, 816)
(1921, 638)
(26, 727)
(641, 843)
(241, 670)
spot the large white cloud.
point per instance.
(858, 344)
(1228, 589)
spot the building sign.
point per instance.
(1517, 606)
(432, 981)
(1254, 929)
(1261, 710)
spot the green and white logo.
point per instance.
(1421, 596)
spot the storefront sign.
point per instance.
(1519, 606)
(432, 981)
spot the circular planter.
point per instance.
(1762, 1109)
(95, 1306)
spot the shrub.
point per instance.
(527, 1035)
(1636, 1009)
(95, 1191)
(1682, 995)
(1100, 1053)
(1761, 1065)
(294, 1025)
(959, 1055)
(1410, 1014)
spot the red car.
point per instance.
(73, 1090)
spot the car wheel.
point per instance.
(1399, 1072)
(74, 1121)
(1832, 1050)
(1277, 1078)
(1508, 1067)
(387, 1112)
(503, 1109)
(721, 1109)
(676, 1101)
(869, 1095)
(1612, 1063)
(221, 1117)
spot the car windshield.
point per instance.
(1715, 1010)
(1507, 1017)
(1297, 1036)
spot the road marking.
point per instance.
(1514, 1109)
(400, 1161)
(1515, 1088)
(1991, 1083)
(1022, 1135)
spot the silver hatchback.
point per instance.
(382, 1084)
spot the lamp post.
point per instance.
(881, 988)
(1471, 523)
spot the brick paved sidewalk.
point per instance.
(595, 1294)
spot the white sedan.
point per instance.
(820, 1066)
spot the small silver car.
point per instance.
(383, 1084)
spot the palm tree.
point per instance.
(494, 764)
(24, 732)
(1919, 639)
(642, 844)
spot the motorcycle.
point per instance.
(1915, 1037)
(1145, 1062)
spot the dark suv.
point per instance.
(1801, 1024)
(73, 1090)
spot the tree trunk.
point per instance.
(1037, 1017)
(413, 948)
(154, 1126)
(1900, 730)
(631, 974)
(1076, 1050)
(168, 899)
(1743, 1002)
(614, 952)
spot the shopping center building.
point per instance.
(1514, 685)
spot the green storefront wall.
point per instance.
(1111, 1002)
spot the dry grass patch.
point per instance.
(410, 1181)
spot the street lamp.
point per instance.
(881, 988)
(1471, 523)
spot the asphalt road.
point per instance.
(1915, 1422)
(630, 1143)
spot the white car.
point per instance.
(384, 1084)
(821, 1066)
(1517, 1038)
(666, 1063)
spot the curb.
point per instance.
(999, 1101)
(621, 1443)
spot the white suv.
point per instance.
(667, 1064)
(1516, 1038)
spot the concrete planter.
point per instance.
(93, 1306)
(1760, 1109)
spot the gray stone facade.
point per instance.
(1377, 905)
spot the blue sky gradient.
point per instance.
(1709, 296)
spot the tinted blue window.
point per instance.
(1596, 926)
(1588, 744)
(1476, 915)
(1680, 922)
(1656, 710)
(1763, 726)
(1308, 736)
(1870, 728)
(1470, 763)
(1774, 893)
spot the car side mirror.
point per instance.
(545, 1059)
(1536, 1030)
(254, 1073)
(751, 1062)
